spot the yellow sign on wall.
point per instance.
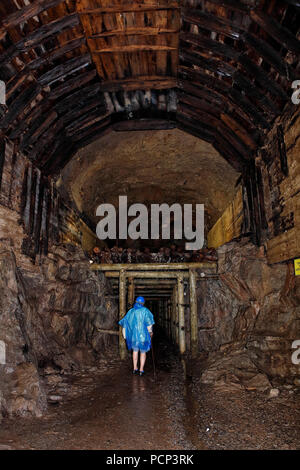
(297, 266)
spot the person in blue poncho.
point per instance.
(137, 330)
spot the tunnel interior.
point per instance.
(175, 102)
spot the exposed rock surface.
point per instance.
(248, 319)
(49, 317)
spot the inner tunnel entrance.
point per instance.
(181, 103)
(170, 291)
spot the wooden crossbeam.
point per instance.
(147, 274)
(134, 32)
(134, 48)
(143, 125)
(276, 30)
(151, 266)
(139, 83)
(130, 8)
(28, 12)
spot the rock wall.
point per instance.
(50, 314)
(249, 318)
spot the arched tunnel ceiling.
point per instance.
(150, 167)
(219, 69)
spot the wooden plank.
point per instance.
(234, 5)
(130, 8)
(151, 266)
(33, 39)
(144, 124)
(26, 13)
(284, 247)
(20, 103)
(72, 84)
(148, 31)
(61, 71)
(140, 83)
(229, 226)
(281, 34)
(133, 48)
(212, 22)
(206, 43)
(60, 51)
(271, 56)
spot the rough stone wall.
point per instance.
(50, 314)
(250, 317)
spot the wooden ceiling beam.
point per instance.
(223, 69)
(34, 38)
(210, 45)
(234, 5)
(218, 105)
(188, 108)
(233, 109)
(232, 54)
(230, 29)
(134, 48)
(71, 84)
(60, 51)
(281, 34)
(144, 125)
(18, 106)
(69, 67)
(228, 152)
(270, 55)
(148, 31)
(139, 83)
(47, 103)
(203, 131)
(130, 8)
(212, 22)
(26, 13)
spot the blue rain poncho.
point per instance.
(136, 323)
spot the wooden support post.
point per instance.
(181, 325)
(169, 317)
(173, 317)
(166, 315)
(122, 312)
(131, 292)
(193, 312)
(176, 317)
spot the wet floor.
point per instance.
(109, 408)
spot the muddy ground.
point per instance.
(108, 408)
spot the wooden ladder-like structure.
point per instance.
(167, 285)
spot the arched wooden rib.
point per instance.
(240, 100)
(236, 31)
(188, 108)
(40, 34)
(27, 12)
(238, 56)
(282, 35)
(216, 104)
(236, 109)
